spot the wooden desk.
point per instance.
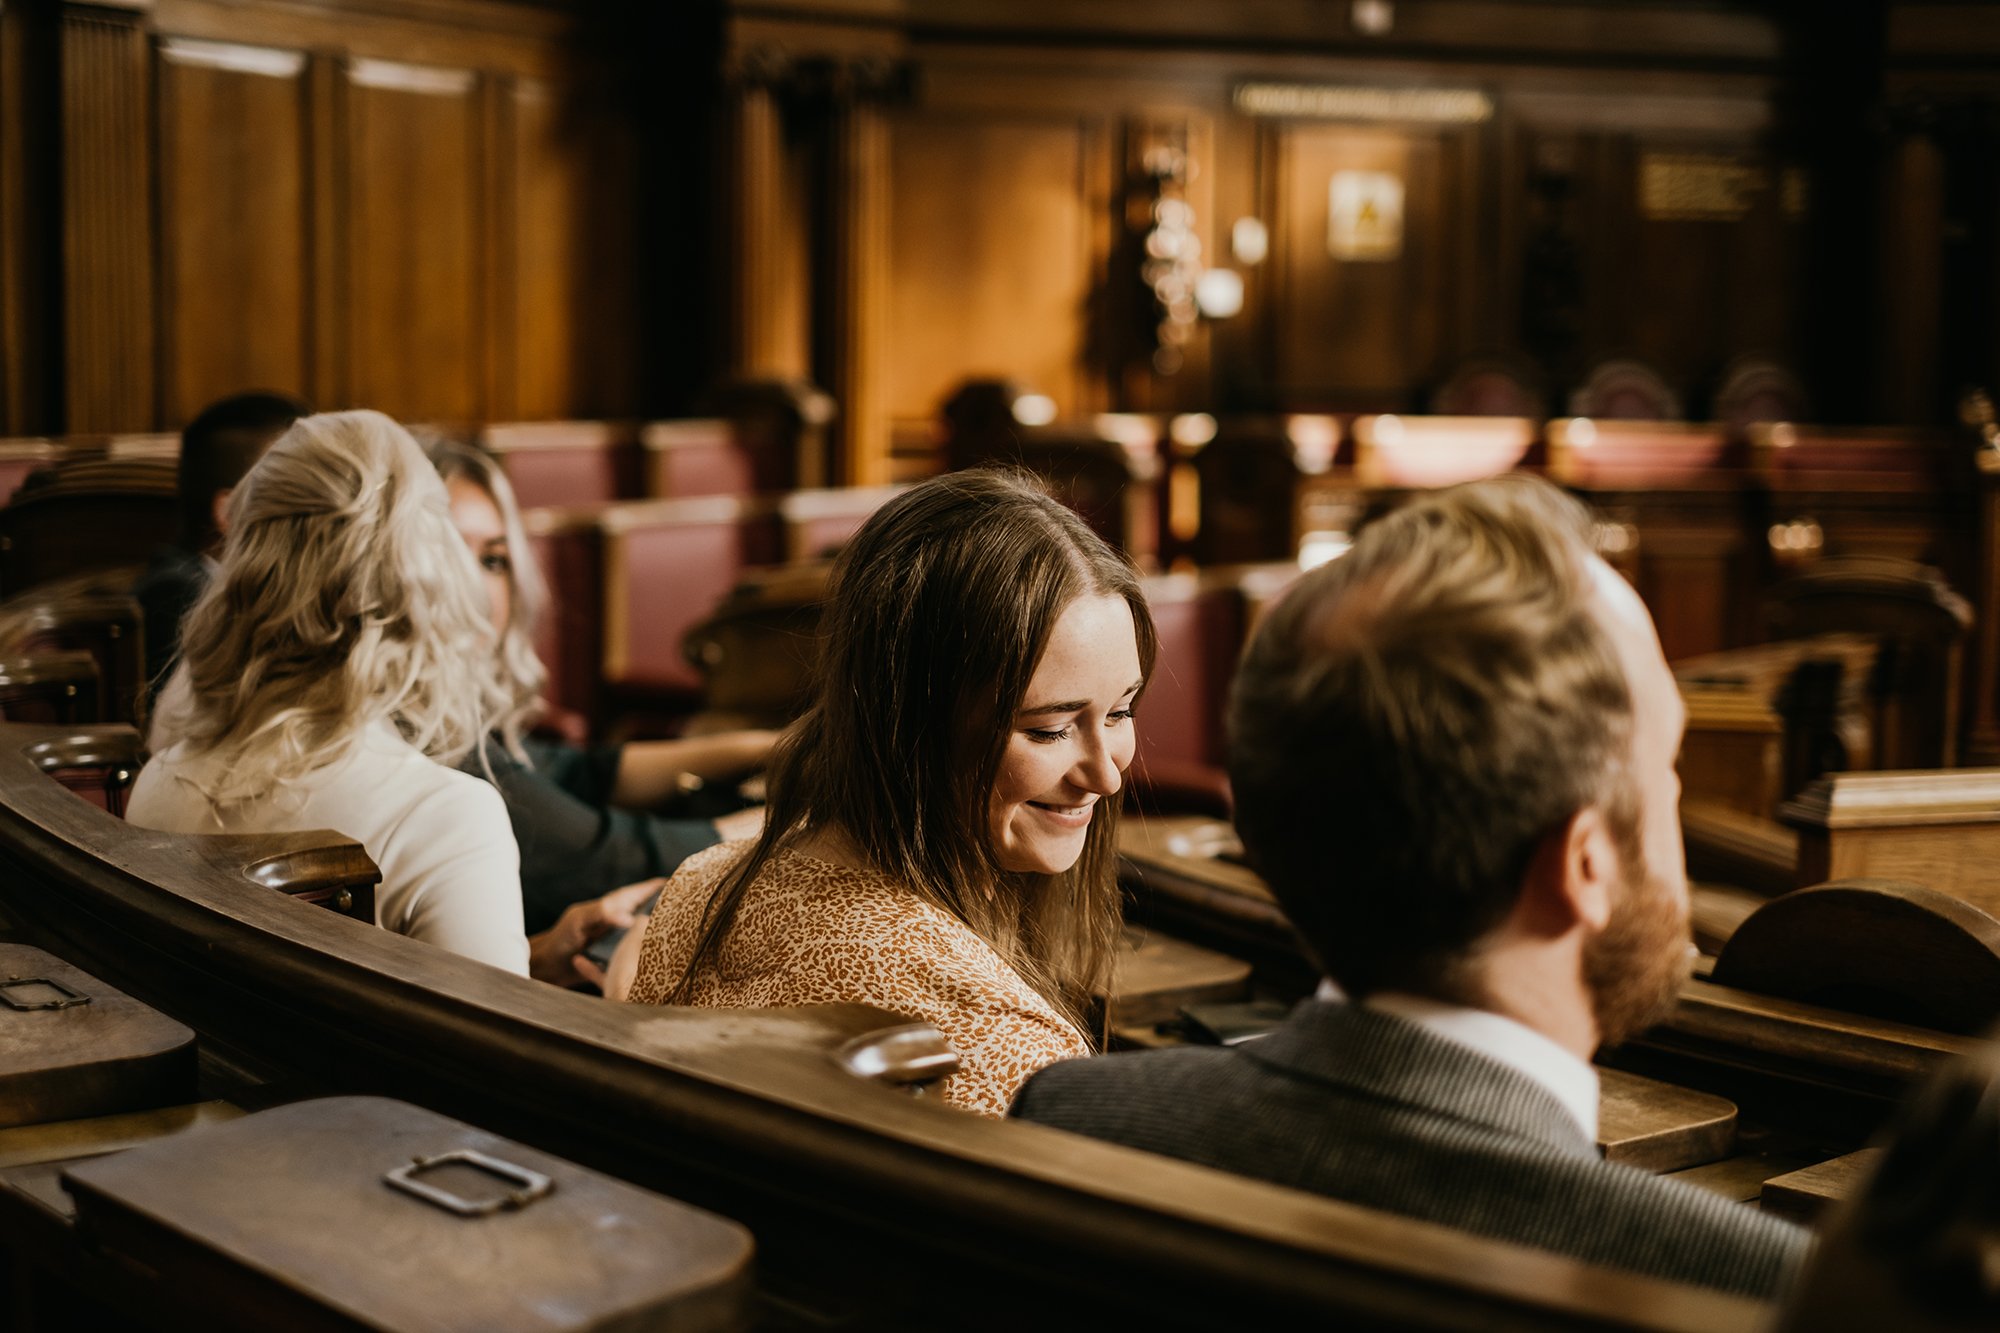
(1806, 1193)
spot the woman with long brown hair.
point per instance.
(940, 839)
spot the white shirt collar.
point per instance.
(1572, 1082)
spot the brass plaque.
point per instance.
(1333, 101)
(1697, 187)
(1364, 216)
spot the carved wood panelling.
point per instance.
(568, 257)
(392, 208)
(998, 227)
(855, 347)
(1682, 289)
(107, 202)
(235, 276)
(771, 303)
(414, 241)
(1359, 331)
(29, 271)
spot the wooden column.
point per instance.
(856, 291)
(755, 204)
(1982, 741)
(30, 249)
(110, 339)
(1911, 274)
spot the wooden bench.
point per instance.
(667, 565)
(86, 514)
(93, 613)
(1611, 455)
(818, 523)
(698, 456)
(744, 1112)
(1249, 480)
(1416, 451)
(59, 687)
(567, 462)
(1939, 828)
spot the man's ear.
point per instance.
(1572, 878)
(218, 510)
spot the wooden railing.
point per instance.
(894, 1209)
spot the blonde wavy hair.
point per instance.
(345, 598)
(519, 676)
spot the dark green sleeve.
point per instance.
(572, 849)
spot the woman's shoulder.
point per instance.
(390, 784)
(851, 908)
(710, 864)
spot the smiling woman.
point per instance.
(1065, 756)
(941, 825)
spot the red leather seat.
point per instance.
(567, 462)
(667, 564)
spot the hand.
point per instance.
(556, 955)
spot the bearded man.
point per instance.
(1453, 758)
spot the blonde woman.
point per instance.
(332, 673)
(592, 851)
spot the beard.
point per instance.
(1636, 965)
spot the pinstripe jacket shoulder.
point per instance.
(1375, 1110)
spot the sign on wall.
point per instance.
(1365, 216)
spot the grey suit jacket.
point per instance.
(1373, 1109)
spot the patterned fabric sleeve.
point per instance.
(941, 972)
(810, 932)
(691, 883)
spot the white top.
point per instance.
(1569, 1080)
(451, 873)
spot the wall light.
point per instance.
(1219, 293)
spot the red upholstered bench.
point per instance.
(567, 462)
(667, 564)
(1181, 745)
(818, 522)
(700, 456)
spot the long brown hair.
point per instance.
(938, 614)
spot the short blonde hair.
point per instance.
(1414, 718)
(518, 672)
(345, 598)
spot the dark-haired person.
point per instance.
(1453, 758)
(581, 816)
(218, 449)
(940, 834)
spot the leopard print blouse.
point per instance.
(811, 932)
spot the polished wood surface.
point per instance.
(1658, 1127)
(1155, 976)
(72, 1140)
(235, 279)
(764, 1126)
(74, 1046)
(1936, 828)
(1806, 1193)
(1879, 947)
(1356, 335)
(413, 248)
(232, 1219)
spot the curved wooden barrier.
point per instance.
(865, 1202)
(1872, 946)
